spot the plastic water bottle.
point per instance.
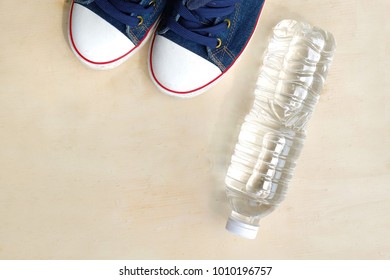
(271, 138)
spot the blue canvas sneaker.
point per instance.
(104, 33)
(198, 42)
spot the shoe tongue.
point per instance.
(195, 4)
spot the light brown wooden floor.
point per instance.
(100, 165)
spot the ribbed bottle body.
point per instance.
(272, 136)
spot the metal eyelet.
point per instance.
(228, 22)
(219, 43)
(141, 20)
(153, 2)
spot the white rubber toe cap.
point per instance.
(179, 72)
(95, 41)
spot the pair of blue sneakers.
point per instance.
(194, 42)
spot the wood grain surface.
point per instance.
(100, 165)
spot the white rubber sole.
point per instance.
(180, 95)
(116, 62)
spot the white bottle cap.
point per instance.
(242, 229)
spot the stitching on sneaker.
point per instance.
(218, 62)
